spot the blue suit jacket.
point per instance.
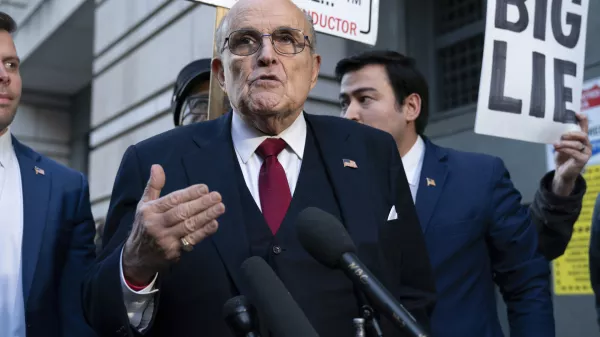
(478, 233)
(58, 245)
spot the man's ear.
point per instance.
(316, 59)
(412, 107)
(217, 68)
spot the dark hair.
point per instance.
(402, 73)
(7, 23)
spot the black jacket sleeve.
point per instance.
(554, 216)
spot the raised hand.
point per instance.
(572, 154)
(163, 226)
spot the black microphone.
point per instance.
(275, 305)
(241, 317)
(326, 239)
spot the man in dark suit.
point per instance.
(46, 226)
(167, 270)
(477, 232)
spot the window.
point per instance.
(459, 37)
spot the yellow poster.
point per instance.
(571, 272)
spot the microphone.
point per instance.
(241, 317)
(326, 239)
(277, 309)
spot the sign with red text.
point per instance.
(532, 69)
(571, 270)
(590, 106)
(355, 20)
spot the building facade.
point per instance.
(98, 77)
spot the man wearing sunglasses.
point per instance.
(190, 95)
(175, 256)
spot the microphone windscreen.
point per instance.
(323, 236)
(235, 305)
(276, 307)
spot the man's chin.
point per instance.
(7, 115)
(264, 103)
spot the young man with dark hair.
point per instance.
(476, 229)
(46, 226)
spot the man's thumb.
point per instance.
(155, 183)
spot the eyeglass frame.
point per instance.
(306, 41)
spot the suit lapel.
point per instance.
(350, 184)
(213, 163)
(431, 182)
(36, 196)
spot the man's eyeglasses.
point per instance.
(287, 41)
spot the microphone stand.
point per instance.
(371, 322)
(372, 327)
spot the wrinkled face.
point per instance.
(367, 97)
(277, 77)
(10, 81)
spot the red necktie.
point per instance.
(273, 188)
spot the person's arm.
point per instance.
(80, 256)
(110, 305)
(520, 271)
(594, 256)
(405, 252)
(554, 215)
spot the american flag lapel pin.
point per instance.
(430, 182)
(39, 171)
(350, 163)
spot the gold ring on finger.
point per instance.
(186, 246)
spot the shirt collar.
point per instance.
(412, 160)
(247, 138)
(5, 148)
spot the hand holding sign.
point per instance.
(573, 152)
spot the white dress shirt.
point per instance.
(413, 163)
(246, 139)
(12, 307)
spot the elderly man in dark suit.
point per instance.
(191, 204)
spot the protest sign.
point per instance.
(355, 20)
(532, 71)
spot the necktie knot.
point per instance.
(270, 147)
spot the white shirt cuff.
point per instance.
(138, 304)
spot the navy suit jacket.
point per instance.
(478, 234)
(58, 245)
(193, 290)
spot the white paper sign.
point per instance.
(355, 20)
(532, 71)
(590, 105)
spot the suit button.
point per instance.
(276, 250)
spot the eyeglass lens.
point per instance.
(285, 41)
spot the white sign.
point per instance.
(590, 105)
(532, 71)
(355, 20)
